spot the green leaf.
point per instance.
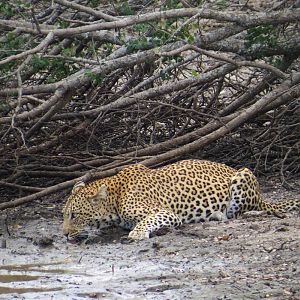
(194, 73)
(96, 79)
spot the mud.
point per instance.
(254, 257)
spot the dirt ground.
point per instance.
(254, 257)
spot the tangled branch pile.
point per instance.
(96, 85)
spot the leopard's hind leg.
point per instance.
(245, 196)
(244, 193)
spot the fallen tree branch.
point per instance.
(43, 45)
(287, 91)
(21, 187)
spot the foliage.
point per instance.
(262, 36)
(96, 79)
(123, 9)
(11, 44)
(6, 9)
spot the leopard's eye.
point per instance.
(72, 216)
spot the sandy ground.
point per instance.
(254, 257)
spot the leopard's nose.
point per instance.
(66, 235)
(65, 232)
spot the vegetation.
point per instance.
(88, 87)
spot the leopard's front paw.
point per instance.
(138, 235)
(218, 216)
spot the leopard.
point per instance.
(144, 200)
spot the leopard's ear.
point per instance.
(100, 196)
(78, 186)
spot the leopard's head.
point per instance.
(87, 206)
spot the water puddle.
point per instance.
(16, 278)
(24, 267)
(8, 290)
(39, 267)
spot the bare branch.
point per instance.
(44, 44)
(87, 10)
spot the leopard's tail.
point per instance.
(280, 207)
